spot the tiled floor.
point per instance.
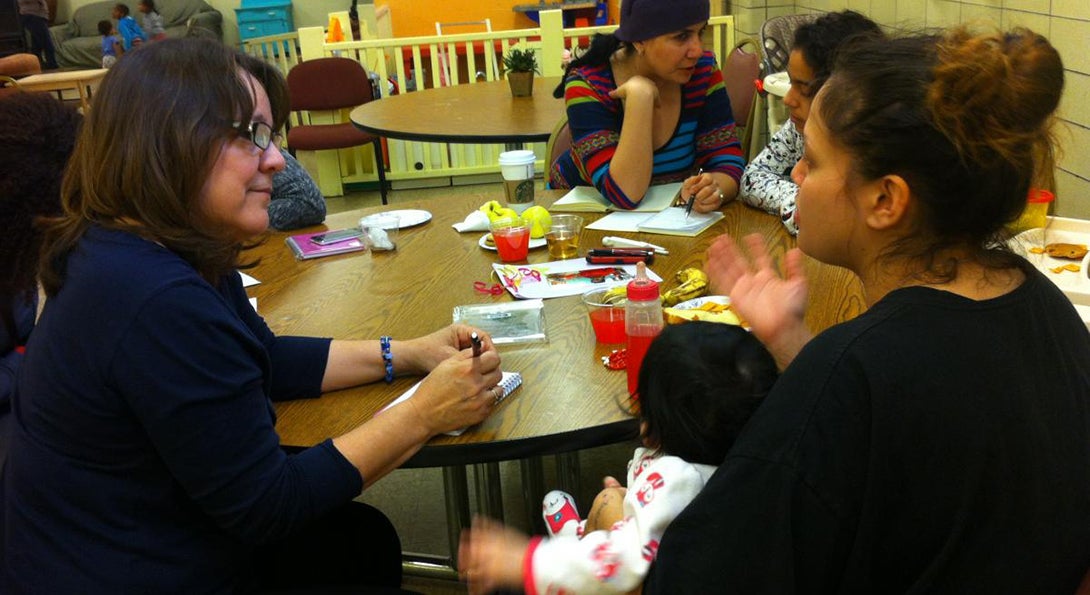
(412, 498)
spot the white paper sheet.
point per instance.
(621, 221)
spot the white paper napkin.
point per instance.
(475, 221)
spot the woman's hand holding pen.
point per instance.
(424, 353)
(708, 190)
(461, 390)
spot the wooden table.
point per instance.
(80, 80)
(568, 400)
(471, 113)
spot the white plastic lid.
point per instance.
(521, 157)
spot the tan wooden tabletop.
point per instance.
(568, 400)
(78, 80)
(482, 112)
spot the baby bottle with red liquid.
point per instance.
(642, 321)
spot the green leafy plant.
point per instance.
(520, 60)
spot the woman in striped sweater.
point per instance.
(646, 105)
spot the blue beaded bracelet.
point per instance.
(387, 358)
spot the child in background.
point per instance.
(702, 383)
(111, 44)
(131, 33)
(153, 21)
(766, 182)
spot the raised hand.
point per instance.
(773, 305)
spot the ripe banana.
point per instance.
(615, 294)
(693, 284)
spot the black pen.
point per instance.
(473, 338)
(692, 198)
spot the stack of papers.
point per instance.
(671, 221)
(587, 199)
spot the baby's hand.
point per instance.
(490, 556)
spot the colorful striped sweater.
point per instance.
(704, 137)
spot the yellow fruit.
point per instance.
(693, 284)
(615, 294)
(501, 213)
(490, 209)
(539, 219)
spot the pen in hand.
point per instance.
(473, 338)
(692, 197)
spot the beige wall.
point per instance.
(1065, 22)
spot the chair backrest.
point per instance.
(328, 84)
(740, 72)
(777, 37)
(559, 142)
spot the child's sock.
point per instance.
(561, 516)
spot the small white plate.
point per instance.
(534, 243)
(406, 217)
(700, 301)
(1076, 285)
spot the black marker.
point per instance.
(473, 338)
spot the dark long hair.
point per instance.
(966, 120)
(37, 133)
(159, 122)
(699, 384)
(602, 47)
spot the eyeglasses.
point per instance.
(259, 133)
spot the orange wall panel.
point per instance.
(411, 18)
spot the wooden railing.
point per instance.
(412, 63)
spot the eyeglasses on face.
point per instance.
(259, 133)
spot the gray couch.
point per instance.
(79, 43)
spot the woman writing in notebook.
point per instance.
(143, 436)
(647, 105)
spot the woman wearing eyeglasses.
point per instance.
(144, 455)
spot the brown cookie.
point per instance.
(1061, 250)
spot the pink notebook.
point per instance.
(304, 248)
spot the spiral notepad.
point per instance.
(509, 382)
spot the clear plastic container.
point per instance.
(642, 322)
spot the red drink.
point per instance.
(637, 348)
(608, 324)
(513, 243)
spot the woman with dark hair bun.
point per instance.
(938, 442)
(647, 105)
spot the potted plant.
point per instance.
(520, 65)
